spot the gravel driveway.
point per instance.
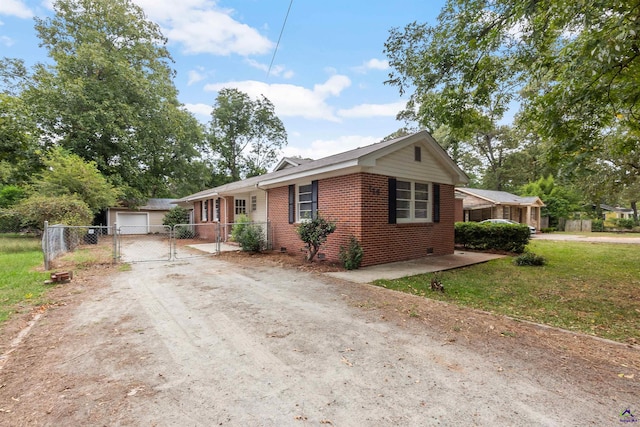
(209, 342)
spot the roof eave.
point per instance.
(307, 174)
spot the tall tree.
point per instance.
(465, 111)
(245, 134)
(575, 66)
(108, 94)
(19, 149)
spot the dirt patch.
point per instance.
(267, 339)
(281, 259)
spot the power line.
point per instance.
(279, 37)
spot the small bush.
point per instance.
(597, 225)
(251, 238)
(183, 232)
(548, 230)
(242, 222)
(625, 223)
(314, 233)
(351, 257)
(9, 221)
(175, 216)
(529, 258)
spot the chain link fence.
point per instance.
(139, 243)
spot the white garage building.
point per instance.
(146, 219)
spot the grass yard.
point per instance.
(21, 284)
(586, 287)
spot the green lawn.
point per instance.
(21, 285)
(591, 288)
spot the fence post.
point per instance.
(115, 243)
(45, 245)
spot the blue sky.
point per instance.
(327, 77)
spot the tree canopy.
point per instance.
(69, 174)
(245, 134)
(108, 95)
(572, 69)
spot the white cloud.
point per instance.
(373, 110)
(276, 70)
(202, 27)
(290, 100)
(201, 111)
(15, 8)
(320, 148)
(195, 76)
(373, 64)
(7, 41)
(377, 64)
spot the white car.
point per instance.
(507, 221)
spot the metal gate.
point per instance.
(139, 243)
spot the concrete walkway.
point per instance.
(431, 264)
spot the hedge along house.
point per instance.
(396, 197)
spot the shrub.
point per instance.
(625, 223)
(184, 232)
(548, 230)
(242, 222)
(175, 216)
(65, 209)
(314, 233)
(597, 225)
(9, 221)
(529, 258)
(351, 257)
(251, 238)
(488, 236)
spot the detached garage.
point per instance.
(146, 219)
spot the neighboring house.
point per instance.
(141, 220)
(616, 212)
(478, 205)
(396, 197)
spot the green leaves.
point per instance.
(314, 234)
(245, 134)
(109, 96)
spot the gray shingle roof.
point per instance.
(499, 197)
(159, 205)
(309, 166)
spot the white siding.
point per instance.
(402, 164)
(260, 214)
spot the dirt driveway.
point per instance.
(215, 342)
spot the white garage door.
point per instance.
(133, 223)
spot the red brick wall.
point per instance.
(359, 205)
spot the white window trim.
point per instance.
(204, 213)
(299, 218)
(216, 209)
(235, 206)
(412, 215)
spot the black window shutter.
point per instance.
(392, 200)
(314, 199)
(292, 204)
(436, 202)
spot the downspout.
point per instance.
(266, 217)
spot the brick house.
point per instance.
(396, 197)
(478, 205)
